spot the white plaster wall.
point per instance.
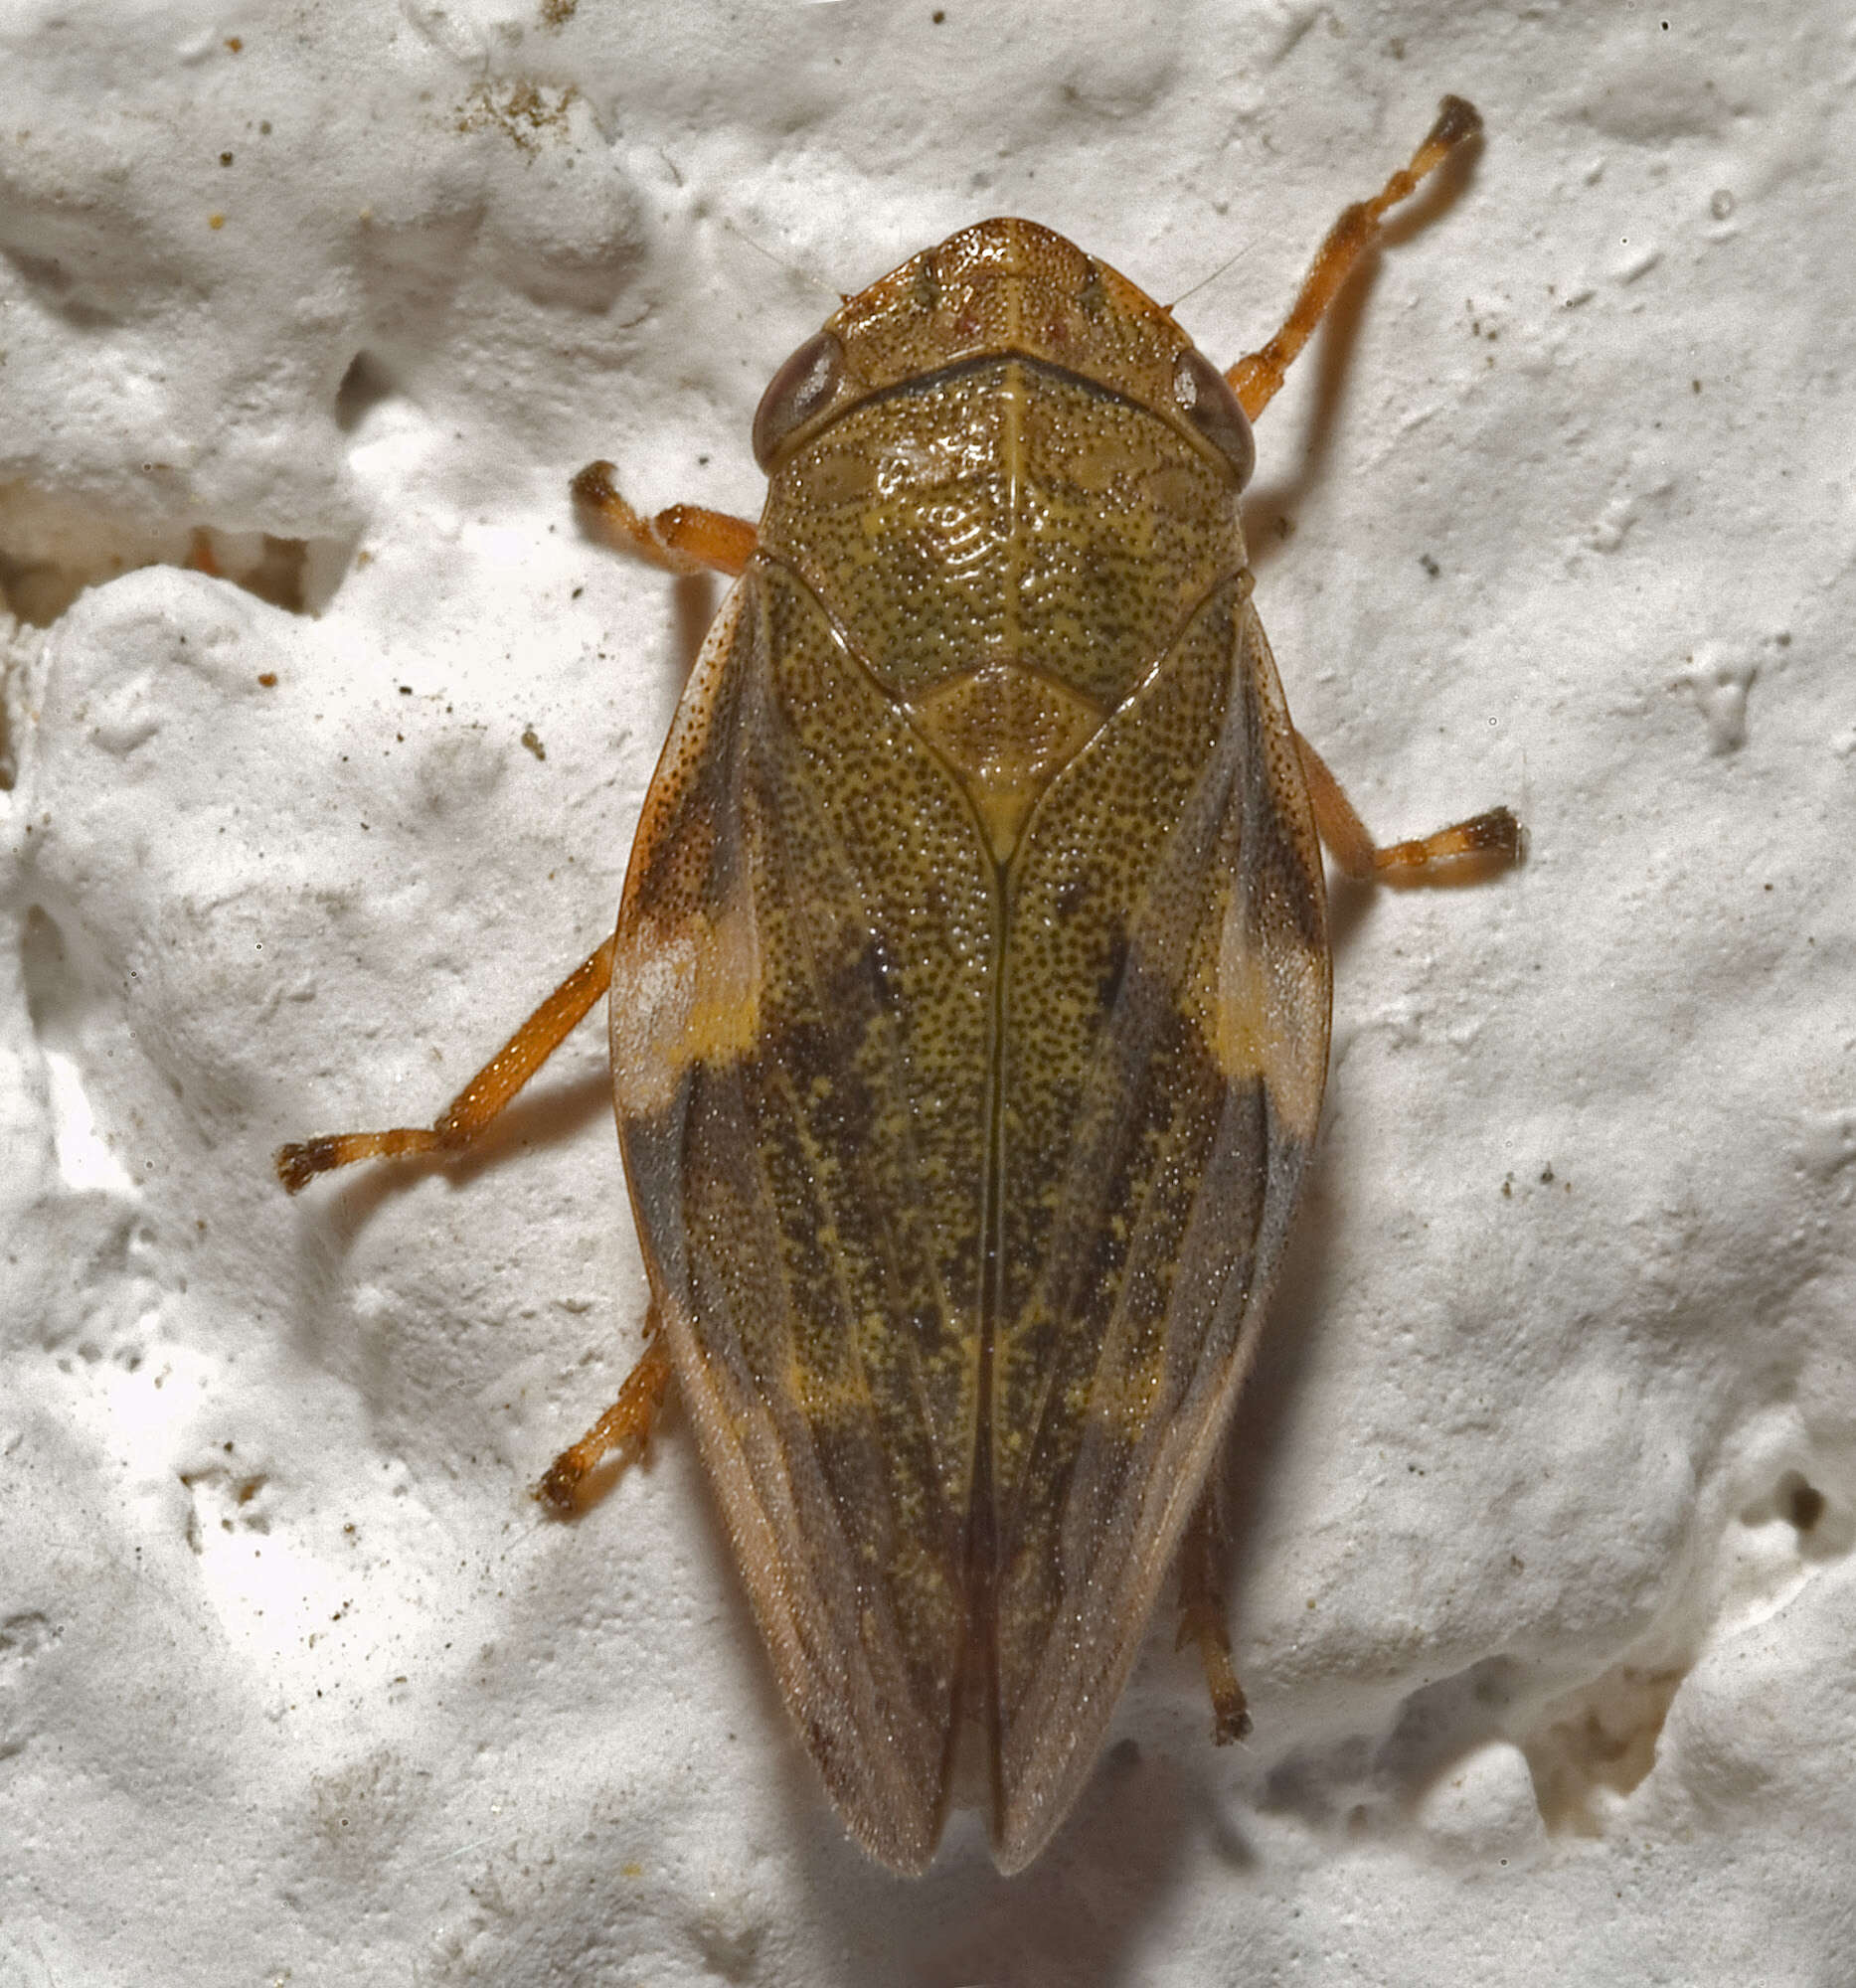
(1546, 1490)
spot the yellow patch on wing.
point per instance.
(1272, 991)
(683, 994)
(1270, 1017)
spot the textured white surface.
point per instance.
(1547, 1488)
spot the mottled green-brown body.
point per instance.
(969, 1008)
(969, 1021)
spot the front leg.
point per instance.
(683, 539)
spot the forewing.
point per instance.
(1167, 1002)
(802, 998)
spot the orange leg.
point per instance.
(1491, 840)
(1254, 379)
(626, 1425)
(475, 1108)
(1202, 1619)
(627, 1422)
(685, 538)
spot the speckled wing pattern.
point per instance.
(1152, 1151)
(961, 1273)
(801, 1011)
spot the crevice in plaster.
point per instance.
(1822, 1524)
(1804, 1504)
(1361, 1783)
(1594, 1745)
(368, 382)
(54, 546)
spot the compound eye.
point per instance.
(796, 393)
(1206, 402)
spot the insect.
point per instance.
(969, 1007)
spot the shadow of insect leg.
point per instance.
(475, 1108)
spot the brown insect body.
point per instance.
(969, 1018)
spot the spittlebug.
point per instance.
(970, 1010)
